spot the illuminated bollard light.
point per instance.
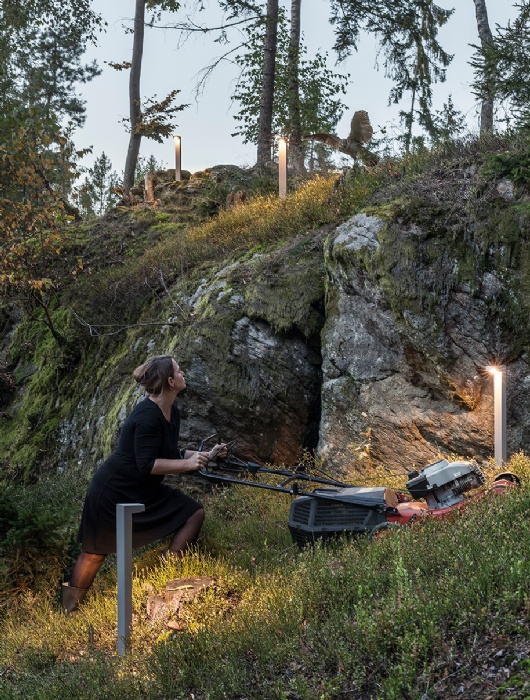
(282, 167)
(499, 409)
(124, 513)
(178, 147)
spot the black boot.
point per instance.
(72, 597)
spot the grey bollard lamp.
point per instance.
(124, 513)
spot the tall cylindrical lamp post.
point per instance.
(499, 409)
(178, 148)
(282, 167)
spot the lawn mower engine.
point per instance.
(327, 513)
(443, 484)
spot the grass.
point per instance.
(263, 220)
(356, 619)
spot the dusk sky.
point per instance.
(206, 126)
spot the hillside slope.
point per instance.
(356, 316)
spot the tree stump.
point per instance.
(149, 188)
(163, 606)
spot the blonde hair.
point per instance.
(154, 374)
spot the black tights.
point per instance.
(87, 564)
(187, 534)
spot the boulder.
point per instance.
(404, 351)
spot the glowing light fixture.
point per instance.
(282, 167)
(499, 409)
(178, 146)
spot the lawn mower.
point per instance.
(334, 507)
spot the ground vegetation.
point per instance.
(435, 610)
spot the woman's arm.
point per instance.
(192, 462)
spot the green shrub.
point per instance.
(37, 533)
(513, 162)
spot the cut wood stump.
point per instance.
(166, 605)
(149, 187)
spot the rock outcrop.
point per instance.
(367, 341)
(400, 389)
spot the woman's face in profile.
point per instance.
(177, 382)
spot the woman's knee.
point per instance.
(195, 520)
(88, 557)
(198, 516)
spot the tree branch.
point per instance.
(93, 326)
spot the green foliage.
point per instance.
(448, 123)
(98, 193)
(159, 6)
(504, 67)
(147, 165)
(25, 439)
(320, 88)
(37, 528)
(50, 68)
(513, 163)
(407, 33)
(155, 117)
(32, 211)
(41, 44)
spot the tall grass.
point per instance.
(355, 619)
(262, 221)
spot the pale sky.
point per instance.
(206, 126)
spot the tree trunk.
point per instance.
(149, 188)
(267, 86)
(134, 96)
(486, 39)
(296, 150)
(409, 121)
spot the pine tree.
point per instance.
(147, 165)
(503, 67)
(407, 32)
(449, 123)
(99, 193)
(51, 68)
(319, 90)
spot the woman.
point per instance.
(147, 450)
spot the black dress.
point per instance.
(125, 477)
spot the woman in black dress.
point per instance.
(147, 450)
